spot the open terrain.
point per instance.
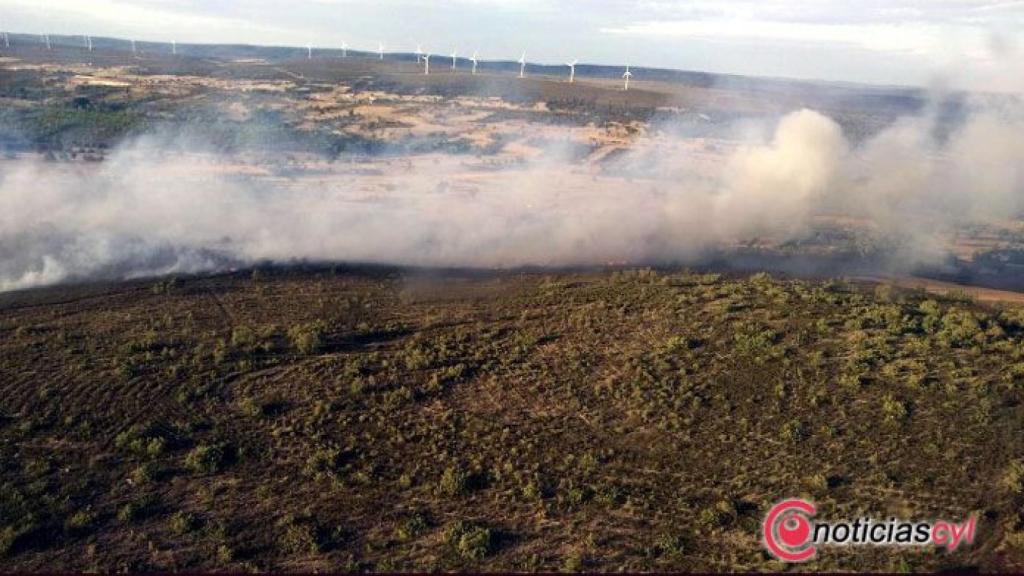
(205, 384)
(407, 420)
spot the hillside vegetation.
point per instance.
(386, 420)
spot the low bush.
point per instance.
(80, 521)
(307, 338)
(299, 537)
(454, 482)
(469, 541)
(136, 509)
(184, 522)
(206, 459)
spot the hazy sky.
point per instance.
(965, 42)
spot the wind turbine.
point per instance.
(627, 76)
(419, 54)
(88, 42)
(455, 56)
(174, 47)
(426, 64)
(380, 49)
(46, 38)
(572, 70)
(309, 51)
(134, 51)
(7, 40)
(522, 65)
(474, 61)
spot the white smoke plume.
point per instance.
(918, 185)
(156, 206)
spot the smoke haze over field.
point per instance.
(153, 209)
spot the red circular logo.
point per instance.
(787, 530)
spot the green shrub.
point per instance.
(757, 343)
(959, 327)
(243, 337)
(8, 537)
(136, 509)
(573, 563)
(453, 482)
(1012, 480)
(411, 527)
(932, 320)
(250, 407)
(225, 554)
(79, 521)
(470, 542)
(299, 538)
(155, 447)
(721, 514)
(307, 338)
(206, 459)
(137, 440)
(816, 483)
(323, 462)
(792, 430)
(183, 522)
(893, 409)
(670, 545)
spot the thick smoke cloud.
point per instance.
(918, 184)
(156, 206)
(770, 187)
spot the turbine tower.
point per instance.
(426, 64)
(174, 47)
(455, 56)
(419, 54)
(344, 49)
(380, 49)
(309, 51)
(134, 51)
(46, 39)
(88, 42)
(522, 65)
(626, 77)
(474, 61)
(572, 70)
(7, 40)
